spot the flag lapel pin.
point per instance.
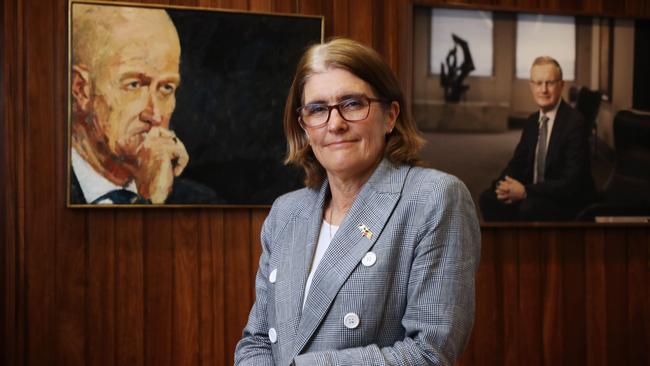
(365, 231)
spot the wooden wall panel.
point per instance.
(237, 275)
(129, 288)
(508, 294)
(212, 284)
(185, 310)
(485, 345)
(530, 245)
(71, 266)
(311, 7)
(100, 288)
(340, 18)
(595, 295)
(616, 299)
(12, 292)
(552, 341)
(638, 318)
(571, 293)
(284, 6)
(40, 241)
(611, 8)
(159, 290)
(174, 287)
(360, 20)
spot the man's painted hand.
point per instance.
(161, 157)
(510, 190)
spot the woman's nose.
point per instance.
(336, 122)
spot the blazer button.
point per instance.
(273, 275)
(351, 320)
(369, 259)
(273, 335)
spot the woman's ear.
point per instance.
(80, 87)
(393, 113)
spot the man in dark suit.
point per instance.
(123, 80)
(549, 176)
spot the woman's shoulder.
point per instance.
(427, 186)
(433, 179)
(287, 207)
(438, 196)
(292, 203)
(295, 199)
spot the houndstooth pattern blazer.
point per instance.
(414, 305)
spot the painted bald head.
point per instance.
(125, 71)
(99, 31)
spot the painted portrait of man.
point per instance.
(184, 106)
(124, 76)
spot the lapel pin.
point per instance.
(365, 231)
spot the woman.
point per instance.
(373, 262)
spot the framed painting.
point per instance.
(480, 100)
(174, 106)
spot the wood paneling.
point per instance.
(174, 287)
(159, 271)
(101, 288)
(563, 296)
(625, 8)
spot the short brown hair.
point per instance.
(548, 60)
(402, 144)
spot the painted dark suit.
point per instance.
(568, 185)
(184, 192)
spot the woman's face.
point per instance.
(347, 149)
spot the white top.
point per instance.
(549, 128)
(92, 184)
(327, 232)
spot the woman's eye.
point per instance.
(315, 108)
(351, 104)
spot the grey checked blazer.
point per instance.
(415, 304)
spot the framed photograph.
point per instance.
(480, 98)
(177, 106)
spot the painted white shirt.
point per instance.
(93, 185)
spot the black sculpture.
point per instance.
(452, 78)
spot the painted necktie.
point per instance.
(120, 197)
(541, 148)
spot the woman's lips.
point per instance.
(340, 143)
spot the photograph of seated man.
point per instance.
(549, 175)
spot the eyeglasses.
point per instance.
(352, 109)
(548, 83)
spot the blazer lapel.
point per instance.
(299, 252)
(531, 133)
(372, 208)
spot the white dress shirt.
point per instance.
(93, 185)
(327, 232)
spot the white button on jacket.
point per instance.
(369, 259)
(351, 320)
(273, 335)
(273, 275)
